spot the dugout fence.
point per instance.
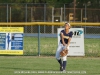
(37, 42)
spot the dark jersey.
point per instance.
(69, 35)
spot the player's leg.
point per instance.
(58, 56)
(64, 59)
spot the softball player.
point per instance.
(65, 38)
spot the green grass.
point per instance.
(15, 65)
(48, 46)
(92, 47)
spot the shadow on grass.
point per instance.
(15, 68)
(35, 69)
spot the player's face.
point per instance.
(67, 26)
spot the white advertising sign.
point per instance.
(76, 47)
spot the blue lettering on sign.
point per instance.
(17, 48)
(2, 41)
(77, 32)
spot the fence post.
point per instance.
(81, 14)
(85, 16)
(64, 13)
(10, 14)
(52, 20)
(38, 40)
(25, 16)
(7, 12)
(44, 16)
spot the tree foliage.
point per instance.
(18, 11)
(59, 3)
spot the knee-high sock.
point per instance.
(60, 62)
(64, 64)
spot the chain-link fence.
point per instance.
(30, 12)
(37, 42)
(48, 41)
(22, 12)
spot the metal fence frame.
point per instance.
(95, 34)
(63, 11)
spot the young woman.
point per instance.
(65, 38)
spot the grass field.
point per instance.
(46, 64)
(30, 65)
(48, 46)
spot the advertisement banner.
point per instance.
(11, 40)
(76, 47)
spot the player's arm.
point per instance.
(62, 38)
(69, 41)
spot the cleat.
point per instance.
(64, 70)
(61, 68)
